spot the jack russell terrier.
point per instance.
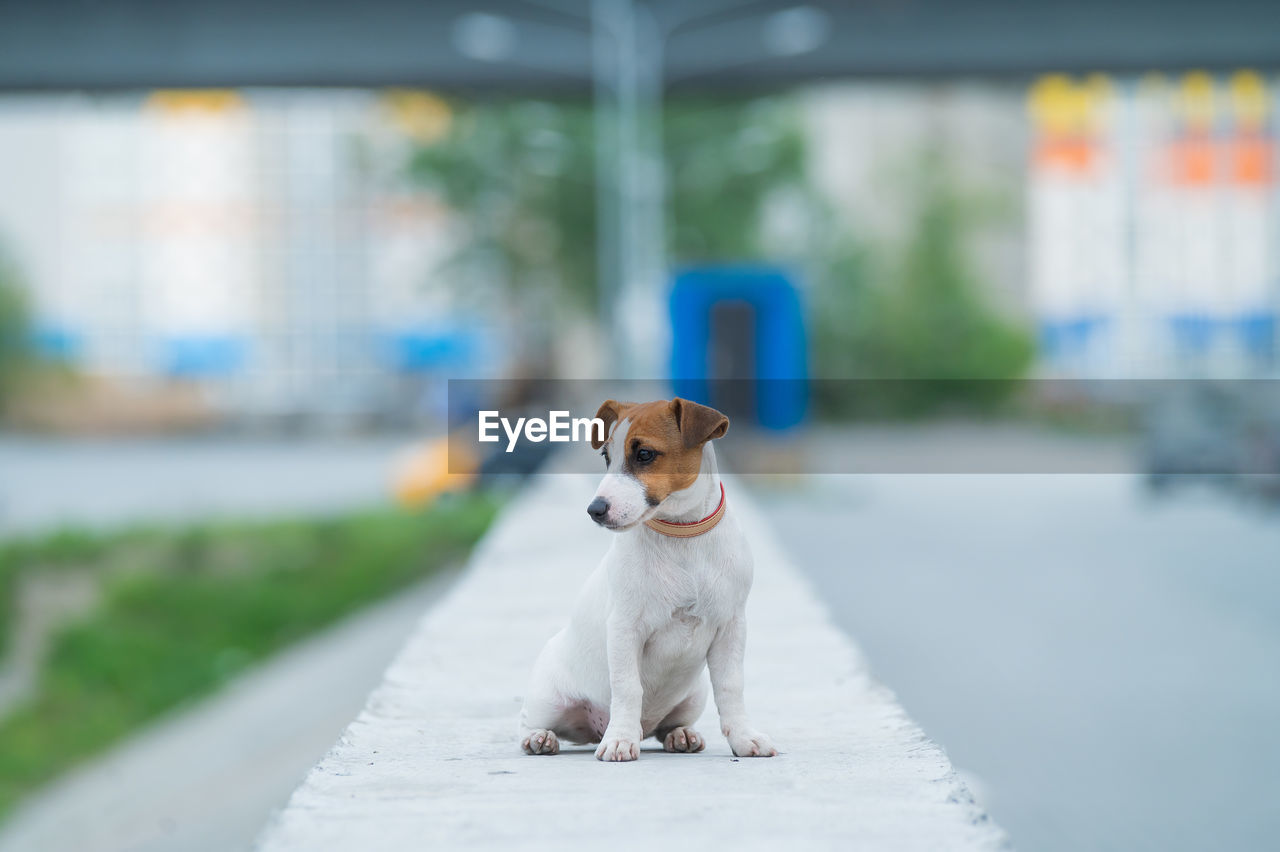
(668, 600)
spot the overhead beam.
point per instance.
(125, 44)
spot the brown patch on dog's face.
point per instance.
(610, 411)
(664, 444)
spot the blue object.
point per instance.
(1257, 331)
(196, 356)
(1193, 333)
(1069, 340)
(422, 349)
(780, 370)
(58, 344)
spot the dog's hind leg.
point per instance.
(544, 718)
(675, 732)
(538, 720)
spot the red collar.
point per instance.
(689, 529)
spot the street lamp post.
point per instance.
(627, 69)
(628, 43)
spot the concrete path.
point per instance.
(207, 778)
(1103, 660)
(433, 762)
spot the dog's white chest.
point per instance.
(684, 615)
(682, 637)
(685, 623)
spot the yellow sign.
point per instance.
(1060, 106)
(1198, 100)
(1249, 99)
(418, 114)
(195, 100)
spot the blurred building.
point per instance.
(263, 245)
(1148, 244)
(1154, 236)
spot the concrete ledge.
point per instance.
(433, 758)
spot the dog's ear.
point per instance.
(698, 423)
(610, 410)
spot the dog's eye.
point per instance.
(605, 453)
(644, 455)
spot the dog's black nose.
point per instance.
(598, 509)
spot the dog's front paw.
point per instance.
(747, 742)
(613, 748)
(541, 742)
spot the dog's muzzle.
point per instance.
(598, 508)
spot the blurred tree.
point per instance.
(925, 322)
(522, 176)
(727, 163)
(14, 336)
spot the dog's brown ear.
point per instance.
(698, 423)
(609, 412)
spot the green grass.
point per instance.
(184, 610)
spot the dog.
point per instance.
(666, 604)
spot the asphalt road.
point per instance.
(51, 482)
(207, 777)
(1105, 666)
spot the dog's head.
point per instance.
(651, 450)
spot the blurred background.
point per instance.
(244, 249)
